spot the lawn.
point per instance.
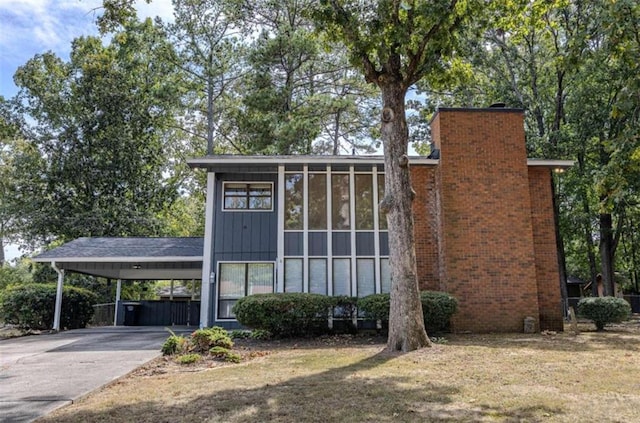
(594, 376)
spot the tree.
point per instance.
(100, 125)
(396, 44)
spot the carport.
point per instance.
(123, 259)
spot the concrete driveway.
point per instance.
(43, 372)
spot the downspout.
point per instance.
(58, 309)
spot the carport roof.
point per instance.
(130, 258)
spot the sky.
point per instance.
(30, 27)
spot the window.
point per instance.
(318, 276)
(248, 196)
(364, 201)
(293, 275)
(237, 280)
(293, 201)
(317, 201)
(385, 276)
(366, 277)
(340, 201)
(341, 276)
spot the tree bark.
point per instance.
(606, 253)
(2, 258)
(406, 324)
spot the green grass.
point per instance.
(515, 377)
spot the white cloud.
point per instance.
(30, 27)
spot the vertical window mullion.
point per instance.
(352, 227)
(376, 228)
(305, 228)
(329, 234)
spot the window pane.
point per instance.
(385, 276)
(232, 277)
(260, 278)
(364, 201)
(224, 309)
(366, 277)
(317, 201)
(382, 217)
(340, 201)
(260, 203)
(293, 275)
(318, 276)
(293, 201)
(235, 189)
(341, 277)
(235, 202)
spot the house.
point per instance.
(484, 225)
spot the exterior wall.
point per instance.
(485, 216)
(244, 235)
(545, 247)
(425, 211)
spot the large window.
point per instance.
(237, 280)
(242, 196)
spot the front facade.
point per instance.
(483, 221)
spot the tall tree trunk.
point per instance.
(606, 253)
(406, 324)
(2, 259)
(210, 108)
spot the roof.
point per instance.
(130, 249)
(130, 258)
(240, 163)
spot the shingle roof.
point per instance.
(83, 249)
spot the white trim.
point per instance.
(329, 233)
(210, 161)
(205, 292)
(120, 259)
(376, 230)
(58, 306)
(352, 227)
(305, 228)
(247, 183)
(118, 292)
(558, 164)
(280, 234)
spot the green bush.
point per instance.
(285, 314)
(375, 307)
(604, 310)
(188, 358)
(175, 344)
(202, 340)
(437, 308)
(31, 306)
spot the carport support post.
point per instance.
(118, 291)
(58, 309)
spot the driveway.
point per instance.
(43, 372)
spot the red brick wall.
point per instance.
(544, 243)
(425, 211)
(487, 250)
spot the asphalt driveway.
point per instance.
(43, 372)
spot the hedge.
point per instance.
(437, 308)
(604, 310)
(285, 314)
(31, 306)
(300, 314)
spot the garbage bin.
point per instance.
(131, 313)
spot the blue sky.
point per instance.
(30, 27)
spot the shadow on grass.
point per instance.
(344, 394)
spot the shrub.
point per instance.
(260, 334)
(225, 354)
(437, 308)
(175, 344)
(240, 334)
(31, 306)
(202, 340)
(285, 314)
(604, 310)
(188, 358)
(375, 307)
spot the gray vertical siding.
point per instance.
(245, 235)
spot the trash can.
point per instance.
(131, 313)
